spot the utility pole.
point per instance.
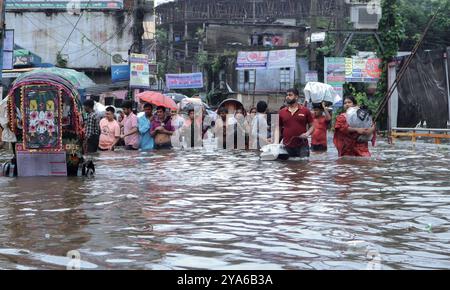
(254, 11)
(312, 45)
(138, 27)
(170, 39)
(339, 21)
(2, 36)
(186, 35)
(138, 32)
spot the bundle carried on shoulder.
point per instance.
(317, 93)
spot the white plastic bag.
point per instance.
(4, 112)
(8, 135)
(355, 121)
(359, 118)
(272, 152)
(316, 92)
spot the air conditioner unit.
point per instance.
(364, 17)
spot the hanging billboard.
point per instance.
(266, 59)
(335, 70)
(252, 60)
(184, 81)
(282, 58)
(120, 68)
(352, 70)
(311, 76)
(139, 71)
(362, 70)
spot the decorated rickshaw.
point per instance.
(45, 114)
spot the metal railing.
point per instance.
(414, 133)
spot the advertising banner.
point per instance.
(252, 60)
(351, 70)
(184, 81)
(120, 67)
(282, 58)
(311, 76)
(334, 70)
(139, 71)
(273, 59)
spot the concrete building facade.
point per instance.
(82, 39)
(218, 27)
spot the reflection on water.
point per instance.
(228, 210)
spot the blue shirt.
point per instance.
(144, 127)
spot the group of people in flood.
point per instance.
(298, 123)
(157, 128)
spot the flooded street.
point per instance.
(228, 210)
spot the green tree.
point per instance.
(392, 33)
(416, 14)
(165, 64)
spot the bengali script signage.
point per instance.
(266, 59)
(361, 70)
(184, 81)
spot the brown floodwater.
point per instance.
(206, 209)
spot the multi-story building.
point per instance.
(79, 34)
(217, 26)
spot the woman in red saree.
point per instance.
(346, 137)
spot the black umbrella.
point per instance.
(238, 104)
(176, 97)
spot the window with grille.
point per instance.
(247, 79)
(285, 78)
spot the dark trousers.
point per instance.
(320, 148)
(163, 146)
(130, 147)
(302, 151)
(105, 149)
(92, 143)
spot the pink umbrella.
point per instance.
(157, 99)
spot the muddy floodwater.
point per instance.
(227, 210)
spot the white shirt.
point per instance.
(259, 130)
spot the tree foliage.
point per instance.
(165, 64)
(416, 14)
(392, 33)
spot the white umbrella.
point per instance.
(100, 109)
(192, 102)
